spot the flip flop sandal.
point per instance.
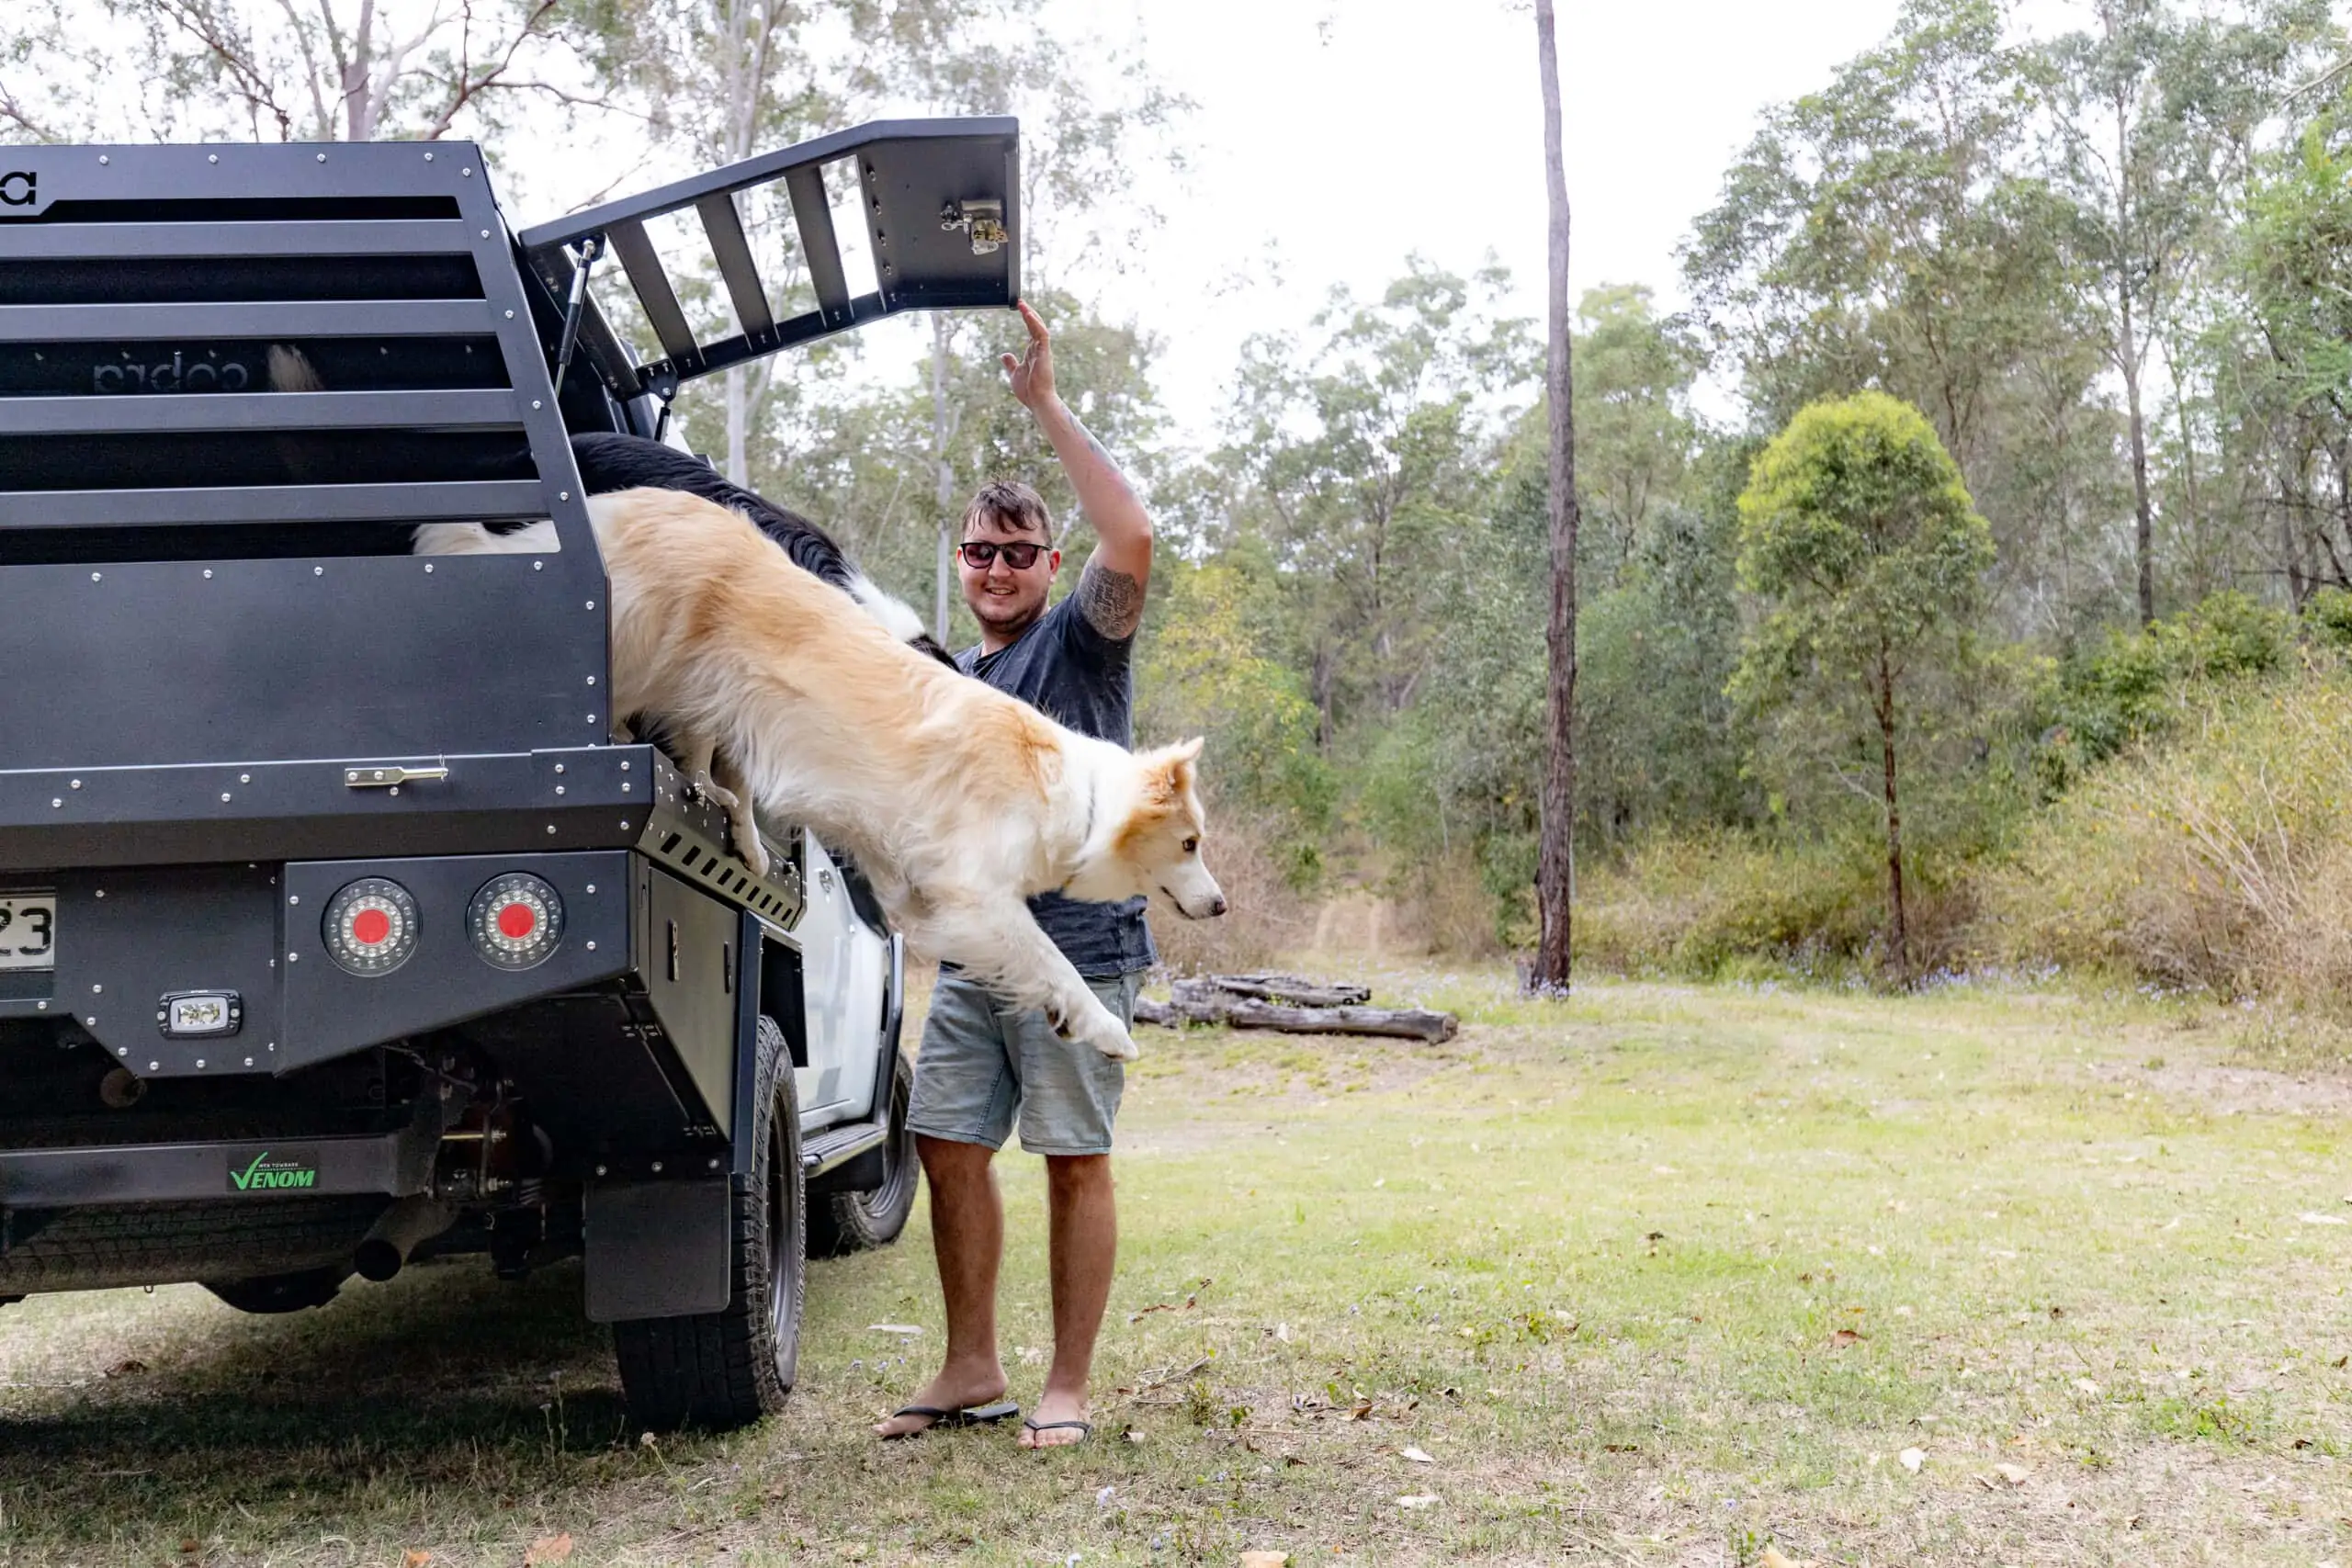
(948, 1420)
(1084, 1429)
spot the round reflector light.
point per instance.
(516, 921)
(370, 926)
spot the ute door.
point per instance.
(844, 968)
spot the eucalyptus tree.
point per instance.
(1860, 539)
(1363, 450)
(1876, 232)
(2147, 125)
(2286, 355)
(1636, 437)
(269, 71)
(1556, 870)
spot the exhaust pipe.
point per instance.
(405, 1226)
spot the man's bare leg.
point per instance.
(968, 1236)
(1085, 1243)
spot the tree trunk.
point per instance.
(1900, 936)
(943, 490)
(1556, 879)
(2188, 526)
(2145, 531)
(738, 410)
(358, 88)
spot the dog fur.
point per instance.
(958, 801)
(610, 461)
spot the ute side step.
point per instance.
(821, 1152)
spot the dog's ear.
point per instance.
(1180, 763)
(1168, 772)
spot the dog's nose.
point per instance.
(1217, 904)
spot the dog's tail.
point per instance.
(898, 617)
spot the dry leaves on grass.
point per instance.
(1187, 1305)
(1775, 1558)
(2015, 1474)
(549, 1550)
(1912, 1458)
(1421, 1500)
(1417, 1455)
(1843, 1337)
(1265, 1559)
(415, 1559)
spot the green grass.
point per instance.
(1659, 1276)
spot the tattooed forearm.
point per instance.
(1111, 601)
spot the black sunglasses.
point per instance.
(980, 554)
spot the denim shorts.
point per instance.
(981, 1065)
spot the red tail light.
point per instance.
(370, 926)
(516, 921)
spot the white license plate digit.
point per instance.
(28, 931)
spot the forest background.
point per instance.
(2097, 277)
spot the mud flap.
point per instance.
(657, 1248)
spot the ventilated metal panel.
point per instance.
(941, 203)
(231, 379)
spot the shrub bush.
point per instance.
(1706, 906)
(2219, 857)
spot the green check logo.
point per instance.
(270, 1172)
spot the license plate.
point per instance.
(28, 931)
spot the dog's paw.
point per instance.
(1104, 1031)
(1118, 1046)
(752, 853)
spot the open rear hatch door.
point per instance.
(936, 207)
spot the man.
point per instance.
(982, 1069)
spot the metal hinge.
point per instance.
(393, 778)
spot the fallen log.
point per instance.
(1160, 1014)
(1245, 1013)
(1406, 1023)
(1296, 990)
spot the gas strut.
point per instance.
(590, 249)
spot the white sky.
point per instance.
(1335, 138)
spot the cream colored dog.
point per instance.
(958, 801)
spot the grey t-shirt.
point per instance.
(1076, 676)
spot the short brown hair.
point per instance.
(1012, 503)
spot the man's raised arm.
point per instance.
(1111, 590)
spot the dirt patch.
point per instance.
(1202, 1089)
(2234, 1092)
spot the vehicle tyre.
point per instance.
(272, 1293)
(726, 1369)
(853, 1222)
